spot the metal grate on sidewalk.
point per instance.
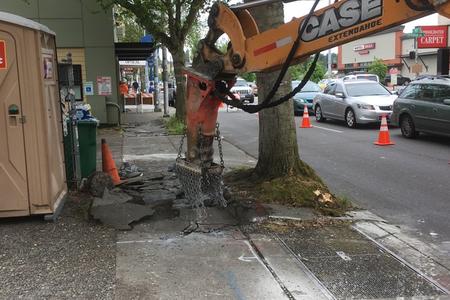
(351, 266)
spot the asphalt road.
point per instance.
(407, 184)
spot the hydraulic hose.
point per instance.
(222, 89)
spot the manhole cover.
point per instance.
(351, 266)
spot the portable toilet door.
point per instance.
(13, 171)
(32, 177)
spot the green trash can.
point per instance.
(87, 140)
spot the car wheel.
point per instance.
(318, 113)
(407, 127)
(350, 118)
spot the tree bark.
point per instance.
(278, 149)
(178, 65)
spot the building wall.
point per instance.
(83, 28)
(349, 56)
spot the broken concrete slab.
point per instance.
(120, 215)
(97, 183)
(154, 176)
(158, 197)
(111, 197)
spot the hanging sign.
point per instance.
(3, 62)
(433, 37)
(104, 85)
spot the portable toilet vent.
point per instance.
(32, 174)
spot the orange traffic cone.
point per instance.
(109, 166)
(383, 136)
(305, 119)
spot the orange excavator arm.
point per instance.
(250, 51)
(337, 24)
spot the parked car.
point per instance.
(305, 96)
(243, 90)
(401, 80)
(324, 82)
(254, 88)
(423, 106)
(362, 76)
(354, 101)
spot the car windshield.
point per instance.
(367, 77)
(241, 83)
(366, 89)
(309, 86)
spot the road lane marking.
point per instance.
(329, 129)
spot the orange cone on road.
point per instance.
(383, 136)
(108, 164)
(305, 119)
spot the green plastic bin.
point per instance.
(87, 140)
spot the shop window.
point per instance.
(77, 80)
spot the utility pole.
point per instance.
(165, 80)
(329, 54)
(156, 93)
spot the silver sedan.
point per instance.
(354, 101)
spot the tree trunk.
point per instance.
(278, 149)
(178, 65)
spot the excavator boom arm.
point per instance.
(337, 24)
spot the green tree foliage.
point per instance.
(128, 28)
(377, 67)
(169, 21)
(298, 71)
(194, 36)
(250, 77)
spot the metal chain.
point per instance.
(204, 181)
(219, 145)
(180, 149)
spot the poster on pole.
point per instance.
(104, 85)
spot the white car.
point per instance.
(243, 90)
(354, 101)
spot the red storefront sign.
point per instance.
(3, 62)
(364, 47)
(435, 37)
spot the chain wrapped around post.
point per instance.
(202, 183)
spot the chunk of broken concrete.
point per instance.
(111, 197)
(120, 215)
(97, 183)
(158, 197)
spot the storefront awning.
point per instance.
(134, 51)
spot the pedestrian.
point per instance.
(135, 86)
(123, 87)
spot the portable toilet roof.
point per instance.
(18, 20)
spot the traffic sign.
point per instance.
(417, 32)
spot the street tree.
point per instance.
(278, 150)
(297, 72)
(377, 67)
(128, 30)
(169, 21)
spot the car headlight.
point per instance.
(299, 100)
(366, 106)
